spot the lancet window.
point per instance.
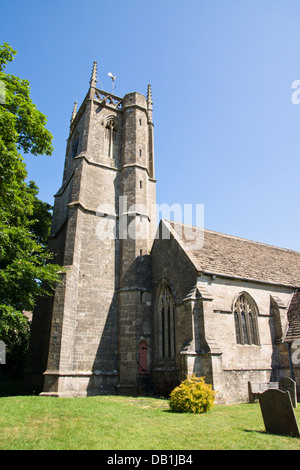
(75, 145)
(111, 137)
(166, 323)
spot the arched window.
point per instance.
(111, 136)
(166, 323)
(245, 320)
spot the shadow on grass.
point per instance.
(253, 431)
(269, 433)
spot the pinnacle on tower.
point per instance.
(93, 80)
(149, 103)
(74, 112)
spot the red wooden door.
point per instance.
(143, 358)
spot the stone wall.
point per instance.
(206, 341)
(170, 265)
(102, 309)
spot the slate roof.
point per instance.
(293, 314)
(235, 257)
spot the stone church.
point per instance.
(140, 307)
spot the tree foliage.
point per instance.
(25, 270)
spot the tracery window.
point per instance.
(166, 323)
(245, 319)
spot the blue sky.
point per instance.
(227, 134)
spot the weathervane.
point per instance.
(113, 77)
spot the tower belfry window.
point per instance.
(111, 135)
(75, 145)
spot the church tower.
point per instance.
(86, 339)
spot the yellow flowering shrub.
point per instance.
(193, 395)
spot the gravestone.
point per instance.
(278, 414)
(286, 384)
(2, 353)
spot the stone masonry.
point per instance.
(94, 322)
(137, 310)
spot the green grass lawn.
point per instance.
(127, 423)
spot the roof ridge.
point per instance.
(235, 237)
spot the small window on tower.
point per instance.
(75, 146)
(140, 152)
(111, 137)
(140, 122)
(141, 184)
